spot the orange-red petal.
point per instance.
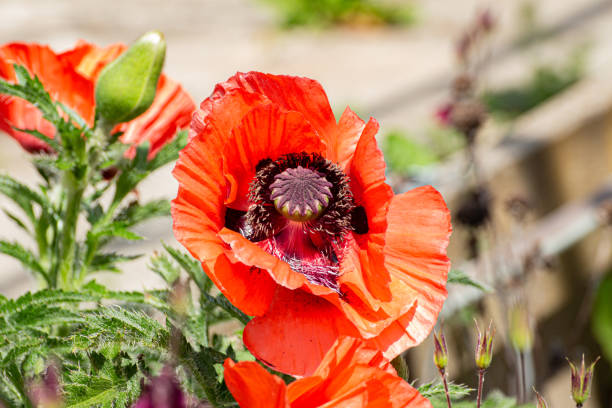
(253, 387)
(296, 332)
(290, 93)
(353, 374)
(59, 79)
(415, 255)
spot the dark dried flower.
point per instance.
(467, 116)
(475, 208)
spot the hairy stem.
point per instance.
(481, 373)
(445, 382)
(74, 195)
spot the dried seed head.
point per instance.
(467, 116)
(300, 194)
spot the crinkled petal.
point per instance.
(198, 215)
(296, 332)
(290, 93)
(89, 59)
(415, 254)
(253, 387)
(266, 132)
(251, 254)
(342, 142)
(353, 374)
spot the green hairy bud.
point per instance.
(126, 87)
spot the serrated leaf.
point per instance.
(27, 258)
(107, 261)
(116, 229)
(436, 389)
(192, 267)
(162, 265)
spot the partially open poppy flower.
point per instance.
(70, 78)
(350, 375)
(289, 212)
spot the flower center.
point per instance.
(300, 194)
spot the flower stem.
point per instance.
(522, 386)
(443, 375)
(481, 373)
(74, 194)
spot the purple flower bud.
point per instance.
(484, 348)
(47, 392)
(581, 381)
(440, 351)
(162, 391)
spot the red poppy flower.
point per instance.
(70, 78)
(351, 375)
(289, 212)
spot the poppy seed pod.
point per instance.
(126, 87)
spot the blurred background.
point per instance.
(505, 106)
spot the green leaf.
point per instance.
(436, 389)
(24, 196)
(27, 258)
(459, 277)
(404, 155)
(107, 261)
(162, 265)
(116, 229)
(192, 267)
(32, 90)
(137, 213)
(222, 302)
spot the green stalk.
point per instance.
(74, 195)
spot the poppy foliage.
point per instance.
(350, 375)
(290, 215)
(70, 78)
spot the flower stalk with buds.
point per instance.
(581, 381)
(441, 361)
(484, 355)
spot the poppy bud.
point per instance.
(484, 348)
(47, 392)
(126, 87)
(521, 335)
(581, 381)
(440, 351)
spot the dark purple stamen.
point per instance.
(300, 194)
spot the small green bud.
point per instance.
(440, 351)
(520, 328)
(581, 381)
(126, 87)
(484, 348)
